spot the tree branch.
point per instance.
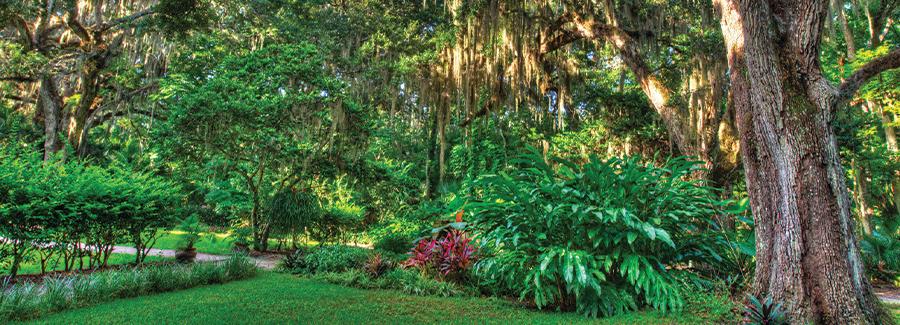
(124, 20)
(862, 75)
(18, 78)
(19, 99)
(75, 25)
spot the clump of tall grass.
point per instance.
(30, 300)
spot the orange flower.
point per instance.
(459, 215)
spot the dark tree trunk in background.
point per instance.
(698, 125)
(430, 173)
(807, 254)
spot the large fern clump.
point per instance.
(602, 238)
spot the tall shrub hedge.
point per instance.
(74, 210)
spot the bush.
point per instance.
(601, 238)
(395, 243)
(27, 300)
(290, 211)
(59, 206)
(881, 255)
(332, 258)
(376, 266)
(407, 281)
(450, 256)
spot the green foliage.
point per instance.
(329, 258)
(398, 243)
(182, 16)
(290, 211)
(406, 281)
(881, 254)
(336, 223)
(192, 228)
(248, 118)
(766, 312)
(602, 238)
(71, 204)
(28, 300)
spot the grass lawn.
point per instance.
(33, 266)
(273, 298)
(209, 243)
(895, 310)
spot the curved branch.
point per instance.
(866, 72)
(125, 20)
(75, 24)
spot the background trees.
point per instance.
(388, 112)
(256, 120)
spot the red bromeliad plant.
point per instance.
(450, 255)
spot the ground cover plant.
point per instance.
(30, 300)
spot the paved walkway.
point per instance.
(265, 261)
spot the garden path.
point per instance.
(264, 261)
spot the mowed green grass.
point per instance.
(209, 242)
(272, 298)
(33, 266)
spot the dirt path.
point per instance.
(264, 261)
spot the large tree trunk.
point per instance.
(807, 254)
(50, 105)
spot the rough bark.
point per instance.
(807, 253)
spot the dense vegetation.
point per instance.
(603, 157)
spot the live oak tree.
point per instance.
(807, 254)
(519, 51)
(67, 76)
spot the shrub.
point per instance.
(376, 266)
(600, 238)
(63, 206)
(449, 256)
(765, 312)
(881, 255)
(294, 262)
(290, 211)
(28, 300)
(238, 267)
(395, 243)
(351, 278)
(407, 281)
(332, 258)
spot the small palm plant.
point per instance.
(191, 227)
(767, 312)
